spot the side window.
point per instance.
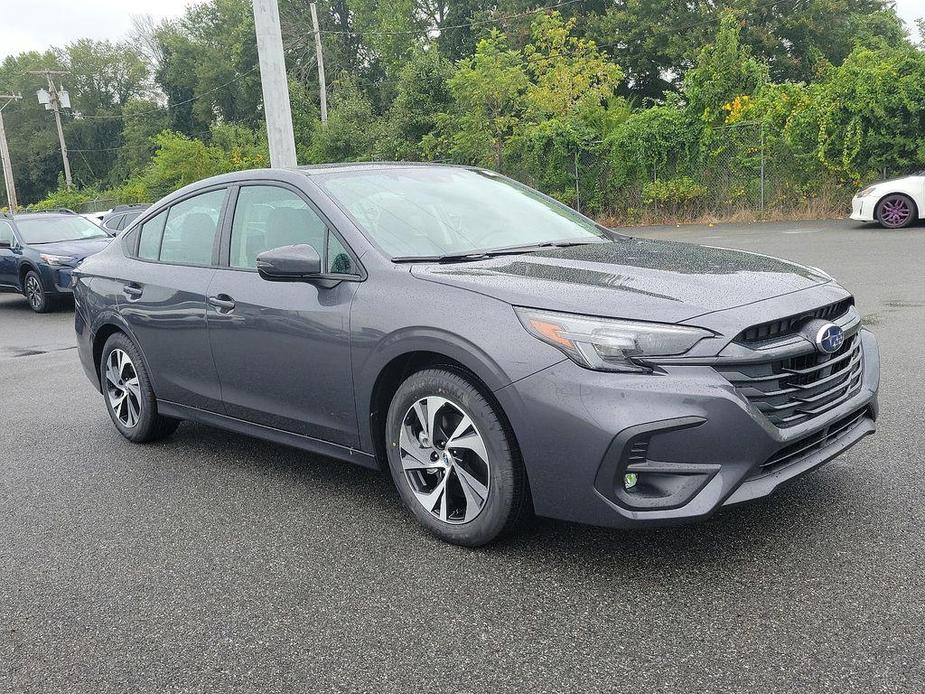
(267, 217)
(339, 262)
(149, 247)
(189, 233)
(6, 233)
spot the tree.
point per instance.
(489, 94)
(724, 70)
(423, 92)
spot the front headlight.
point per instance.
(605, 344)
(867, 191)
(56, 259)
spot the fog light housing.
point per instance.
(629, 480)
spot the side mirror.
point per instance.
(5, 243)
(289, 263)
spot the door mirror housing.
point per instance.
(289, 263)
(6, 243)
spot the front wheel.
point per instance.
(896, 211)
(34, 291)
(453, 460)
(128, 393)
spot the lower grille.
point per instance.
(795, 390)
(812, 443)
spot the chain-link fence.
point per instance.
(738, 173)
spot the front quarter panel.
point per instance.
(398, 314)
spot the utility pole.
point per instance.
(274, 83)
(319, 54)
(53, 101)
(5, 155)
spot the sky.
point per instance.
(39, 24)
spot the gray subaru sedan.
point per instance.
(498, 352)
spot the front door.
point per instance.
(282, 349)
(164, 302)
(8, 264)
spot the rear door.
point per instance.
(164, 301)
(282, 348)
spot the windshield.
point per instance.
(429, 212)
(53, 229)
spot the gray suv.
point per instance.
(495, 350)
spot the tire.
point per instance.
(136, 415)
(480, 499)
(896, 211)
(34, 291)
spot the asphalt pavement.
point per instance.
(216, 563)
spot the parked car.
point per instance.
(96, 217)
(490, 346)
(39, 251)
(121, 216)
(894, 204)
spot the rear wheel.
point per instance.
(453, 460)
(34, 291)
(129, 397)
(896, 211)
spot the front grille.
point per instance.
(782, 327)
(812, 443)
(795, 390)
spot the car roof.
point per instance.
(375, 166)
(41, 215)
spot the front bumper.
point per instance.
(695, 440)
(862, 209)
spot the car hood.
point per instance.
(76, 249)
(634, 278)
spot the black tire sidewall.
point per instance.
(147, 426)
(45, 306)
(505, 496)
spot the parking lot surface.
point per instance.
(213, 562)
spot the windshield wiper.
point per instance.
(489, 253)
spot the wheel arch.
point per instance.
(398, 369)
(916, 207)
(106, 328)
(24, 267)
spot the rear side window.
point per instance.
(184, 233)
(149, 247)
(189, 233)
(267, 217)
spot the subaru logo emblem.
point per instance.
(829, 338)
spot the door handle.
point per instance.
(132, 291)
(222, 302)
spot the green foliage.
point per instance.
(724, 70)
(656, 141)
(351, 130)
(676, 193)
(62, 197)
(607, 106)
(489, 92)
(423, 92)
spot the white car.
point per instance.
(894, 204)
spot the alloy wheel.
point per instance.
(34, 292)
(895, 211)
(123, 388)
(444, 460)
